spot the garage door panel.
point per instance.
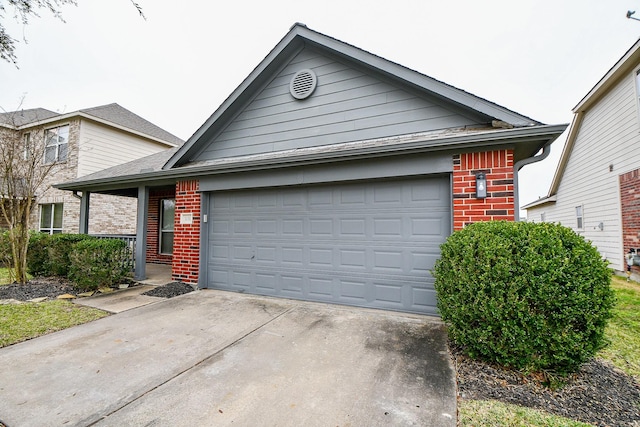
(369, 244)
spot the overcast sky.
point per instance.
(538, 58)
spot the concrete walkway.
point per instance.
(219, 358)
(127, 299)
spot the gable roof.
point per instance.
(295, 40)
(24, 117)
(112, 115)
(619, 70)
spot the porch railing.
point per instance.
(130, 240)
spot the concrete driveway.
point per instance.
(218, 358)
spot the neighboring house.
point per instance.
(596, 186)
(81, 143)
(330, 174)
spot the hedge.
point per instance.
(529, 296)
(98, 262)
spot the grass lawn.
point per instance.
(623, 351)
(481, 413)
(20, 322)
(623, 330)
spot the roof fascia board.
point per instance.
(468, 142)
(285, 43)
(540, 202)
(69, 116)
(619, 69)
(566, 152)
(124, 128)
(322, 41)
(418, 79)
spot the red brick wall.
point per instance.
(630, 210)
(153, 226)
(186, 241)
(499, 203)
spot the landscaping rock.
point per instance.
(41, 299)
(66, 296)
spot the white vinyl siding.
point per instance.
(102, 147)
(609, 135)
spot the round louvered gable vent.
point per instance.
(303, 84)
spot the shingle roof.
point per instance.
(150, 163)
(23, 117)
(119, 115)
(112, 113)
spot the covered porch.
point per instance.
(168, 224)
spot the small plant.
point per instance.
(531, 296)
(98, 262)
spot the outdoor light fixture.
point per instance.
(481, 186)
(630, 14)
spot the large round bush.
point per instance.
(524, 295)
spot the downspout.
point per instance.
(519, 165)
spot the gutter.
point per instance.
(454, 142)
(519, 165)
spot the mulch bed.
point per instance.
(51, 287)
(598, 394)
(170, 290)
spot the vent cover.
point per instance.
(303, 84)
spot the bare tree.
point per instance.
(23, 10)
(23, 171)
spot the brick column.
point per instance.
(498, 205)
(186, 238)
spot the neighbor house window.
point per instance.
(26, 139)
(51, 218)
(579, 218)
(56, 144)
(167, 215)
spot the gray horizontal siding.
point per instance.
(348, 105)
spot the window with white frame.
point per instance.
(51, 218)
(167, 218)
(56, 144)
(579, 218)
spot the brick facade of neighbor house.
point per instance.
(153, 227)
(499, 203)
(630, 212)
(186, 244)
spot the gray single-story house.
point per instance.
(330, 174)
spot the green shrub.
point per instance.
(98, 262)
(531, 296)
(38, 254)
(58, 249)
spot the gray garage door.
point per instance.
(369, 244)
